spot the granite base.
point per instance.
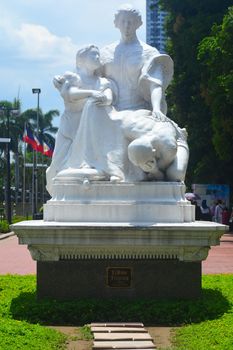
(128, 279)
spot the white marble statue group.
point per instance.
(114, 127)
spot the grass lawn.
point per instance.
(206, 323)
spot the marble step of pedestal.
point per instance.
(113, 325)
(121, 336)
(107, 191)
(117, 329)
(108, 345)
(121, 202)
(118, 212)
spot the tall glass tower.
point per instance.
(155, 34)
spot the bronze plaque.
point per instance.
(119, 277)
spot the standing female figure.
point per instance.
(142, 75)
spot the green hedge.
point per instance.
(4, 226)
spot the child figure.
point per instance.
(76, 89)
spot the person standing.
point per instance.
(197, 210)
(212, 210)
(219, 211)
(205, 211)
(225, 216)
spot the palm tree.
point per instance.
(16, 129)
(10, 127)
(8, 114)
(46, 132)
(46, 128)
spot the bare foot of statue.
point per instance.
(115, 179)
(83, 174)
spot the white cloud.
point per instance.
(37, 43)
(39, 39)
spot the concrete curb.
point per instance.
(6, 235)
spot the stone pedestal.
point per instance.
(118, 278)
(148, 260)
(118, 240)
(106, 202)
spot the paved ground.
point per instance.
(16, 259)
(220, 258)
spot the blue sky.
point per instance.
(39, 39)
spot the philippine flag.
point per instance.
(47, 149)
(33, 140)
(28, 137)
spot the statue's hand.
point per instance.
(58, 81)
(97, 94)
(159, 116)
(100, 98)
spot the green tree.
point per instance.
(216, 56)
(190, 21)
(10, 110)
(17, 124)
(45, 121)
(46, 132)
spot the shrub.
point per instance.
(4, 227)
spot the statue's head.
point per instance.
(88, 55)
(127, 18)
(142, 154)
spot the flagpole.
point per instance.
(43, 178)
(35, 168)
(24, 174)
(36, 160)
(33, 185)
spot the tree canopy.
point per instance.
(46, 128)
(188, 24)
(17, 122)
(216, 56)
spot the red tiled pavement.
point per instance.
(220, 258)
(16, 259)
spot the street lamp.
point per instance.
(35, 160)
(7, 140)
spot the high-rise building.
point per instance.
(155, 34)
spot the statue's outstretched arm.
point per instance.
(74, 93)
